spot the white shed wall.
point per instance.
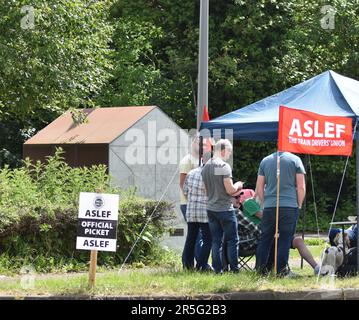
(152, 179)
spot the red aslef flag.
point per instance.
(207, 144)
(311, 133)
(205, 116)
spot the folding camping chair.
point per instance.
(244, 256)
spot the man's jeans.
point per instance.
(199, 241)
(224, 222)
(286, 228)
(188, 252)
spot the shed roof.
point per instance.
(104, 125)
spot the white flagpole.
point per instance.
(202, 94)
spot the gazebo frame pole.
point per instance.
(357, 188)
(304, 210)
(303, 228)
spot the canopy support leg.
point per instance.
(357, 188)
(304, 210)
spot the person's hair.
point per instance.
(222, 144)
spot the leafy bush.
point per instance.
(39, 208)
(314, 242)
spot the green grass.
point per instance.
(315, 250)
(154, 283)
(171, 280)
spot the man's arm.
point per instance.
(230, 187)
(182, 179)
(185, 186)
(300, 181)
(259, 214)
(261, 181)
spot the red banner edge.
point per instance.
(280, 128)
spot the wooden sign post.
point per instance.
(97, 226)
(93, 261)
(92, 270)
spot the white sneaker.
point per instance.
(289, 274)
(316, 269)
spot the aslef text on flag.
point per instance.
(310, 133)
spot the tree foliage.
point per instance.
(145, 52)
(62, 61)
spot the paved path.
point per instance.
(323, 236)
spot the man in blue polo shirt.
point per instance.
(291, 197)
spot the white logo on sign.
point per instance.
(99, 202)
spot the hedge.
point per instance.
(39, 208)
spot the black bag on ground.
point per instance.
(349, 266)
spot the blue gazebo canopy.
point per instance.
(328, 93)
